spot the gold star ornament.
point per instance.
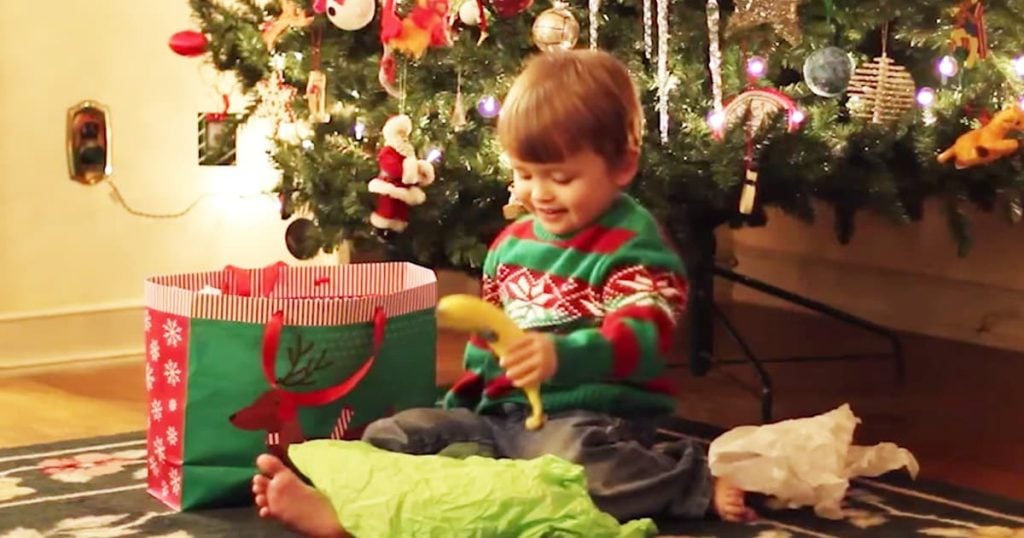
(781, 15)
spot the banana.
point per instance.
(469, 313)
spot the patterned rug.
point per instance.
(95, 488)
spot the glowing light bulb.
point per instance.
(716, 120)
(488, 106)
(926, 97)
(359, 130)
(757, 67)
(948, 66)
(1018, 66)
(797, 117)
(434, 155)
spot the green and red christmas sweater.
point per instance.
(610, 295)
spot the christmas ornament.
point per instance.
(292, 16)
(969, 32)
(714, 53)
(188, 43)
(781, 15)
(827, 71)
(754, 109)
(555, 29)
(316, 97)
(400, 177)
(316, 85)
(350, 15)
(425, 26)
(458, 119)
(987, 143)
(275, 98)
(510, 8)
(470, 13)
(663, 69)
(648, 24)
(303, 238)
(881, 91)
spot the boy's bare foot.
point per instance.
(281, 495)
(728, 502)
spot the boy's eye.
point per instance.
(562, 180)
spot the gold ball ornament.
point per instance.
(881, 91)
(555, 29)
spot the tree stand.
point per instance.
(703, 312)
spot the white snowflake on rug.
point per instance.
(150, 378)
(172, 436)
(108, 526)
(172, 405)
(148, 321)
(172, 333)
(154, 466)
(156, 410)
(154, 350)
(172, 373)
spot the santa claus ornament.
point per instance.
(401, 177)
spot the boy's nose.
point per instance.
(540, 193)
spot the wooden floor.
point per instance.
(961, 411)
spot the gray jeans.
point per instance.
(627, 475)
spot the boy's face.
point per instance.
(566, 196)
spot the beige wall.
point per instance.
(72, 260)
(907, 277)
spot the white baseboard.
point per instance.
(97, 333)
(942, 307)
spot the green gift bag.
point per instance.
(240, 362)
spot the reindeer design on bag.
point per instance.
(276, 410)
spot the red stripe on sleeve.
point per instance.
(469, 383)
(498, 387)
(655, 315)
(476, 340)
(625, 348)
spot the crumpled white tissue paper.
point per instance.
(805, 461)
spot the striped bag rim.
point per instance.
(319, 295)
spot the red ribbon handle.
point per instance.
(271, 341)
(238, 281)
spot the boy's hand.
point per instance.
(530, 360)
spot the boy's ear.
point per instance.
(627, 167)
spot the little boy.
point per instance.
(589, 278)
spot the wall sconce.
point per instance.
(88, 142)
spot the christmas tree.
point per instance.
(765, 103)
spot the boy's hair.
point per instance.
(569, 101)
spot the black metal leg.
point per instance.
(810, 304)
(766, 380)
